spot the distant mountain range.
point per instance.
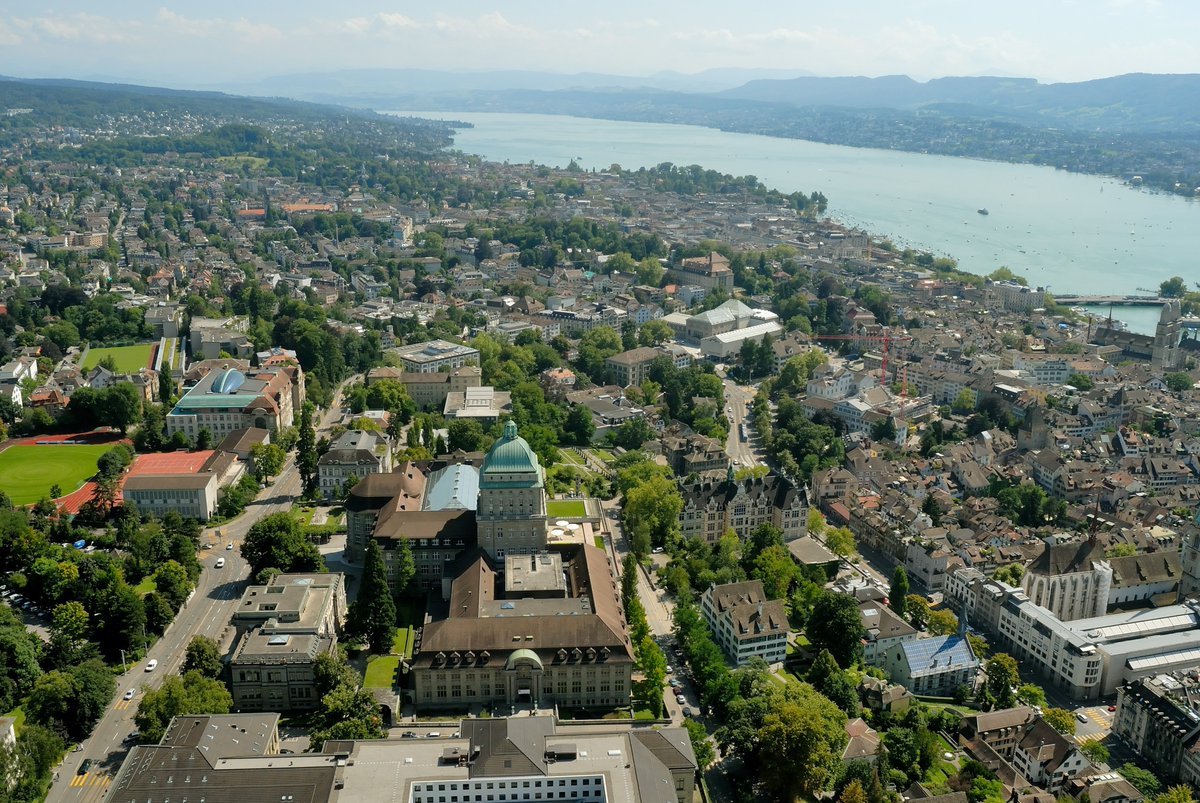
(335, 86)
(1127, 103)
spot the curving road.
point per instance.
(206, 613)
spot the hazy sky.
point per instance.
(220, 42)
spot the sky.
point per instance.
(220, 43)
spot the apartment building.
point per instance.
(744, 623)
(710, 509)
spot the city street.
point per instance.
(744, 453)
(206, 613)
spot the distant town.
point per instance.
(337, 461)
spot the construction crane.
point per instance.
(886, 340)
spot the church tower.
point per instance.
(1165, 353)
(1190, 559)
(511, 513)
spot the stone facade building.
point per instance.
(710, 509)
(745, 623)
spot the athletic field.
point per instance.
(129, 359)
(27, 472)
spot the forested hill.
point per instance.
(152, 111)
(1137, 102)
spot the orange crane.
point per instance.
(886, 340)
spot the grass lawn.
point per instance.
(146, 586)
(598, 541)
(403, 645)
(565, 509)
(129, 359)
(381, 672)
(27, 472)
(17, 714)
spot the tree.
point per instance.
(652, 510)
(1031, 695)
(404, 567)
(898, 592)
(1175, 287)
(373, 612)
(650, 272)
(172, 581)
(1002, 679)
(268, 460)
(655, 332)
(853, 793)
(193, 693)
(1143, 780)
(204, 440)
(306, 450)
(942, 622)
(964, 402)
(276, 541)
(798, 748)
(1176, 794)
(916, 609)
(579, 426)
(1096, 752)
(465, 434)
(1178, 381)
(931, 508)
(777, 570)
(347, 712)
(68, 634)
(702, 748)
(71, 701)
(841, 541)
(1060, 719)
(203, 656)
(836, 625)
(1010, 574)
(120, 406)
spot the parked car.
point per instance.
(679, 698)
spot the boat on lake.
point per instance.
(982, 211)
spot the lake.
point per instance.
(1064, 231)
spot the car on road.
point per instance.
(84, 767)
(1082, 717)
(220, 564)
(129, 694)
(433, 735)
(408, 735)
(152, 664)
(229, 546)
(1112, 708)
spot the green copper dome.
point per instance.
(510, 455)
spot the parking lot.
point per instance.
(31, 614)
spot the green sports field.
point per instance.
(27, 472)
(129, 359)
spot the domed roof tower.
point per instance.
(510, 463)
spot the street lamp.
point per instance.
(124, 668)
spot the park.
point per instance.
(28, 471)
(128, 359)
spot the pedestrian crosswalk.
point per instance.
(121, 705)
(91, 779)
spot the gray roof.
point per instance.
(455, 487)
